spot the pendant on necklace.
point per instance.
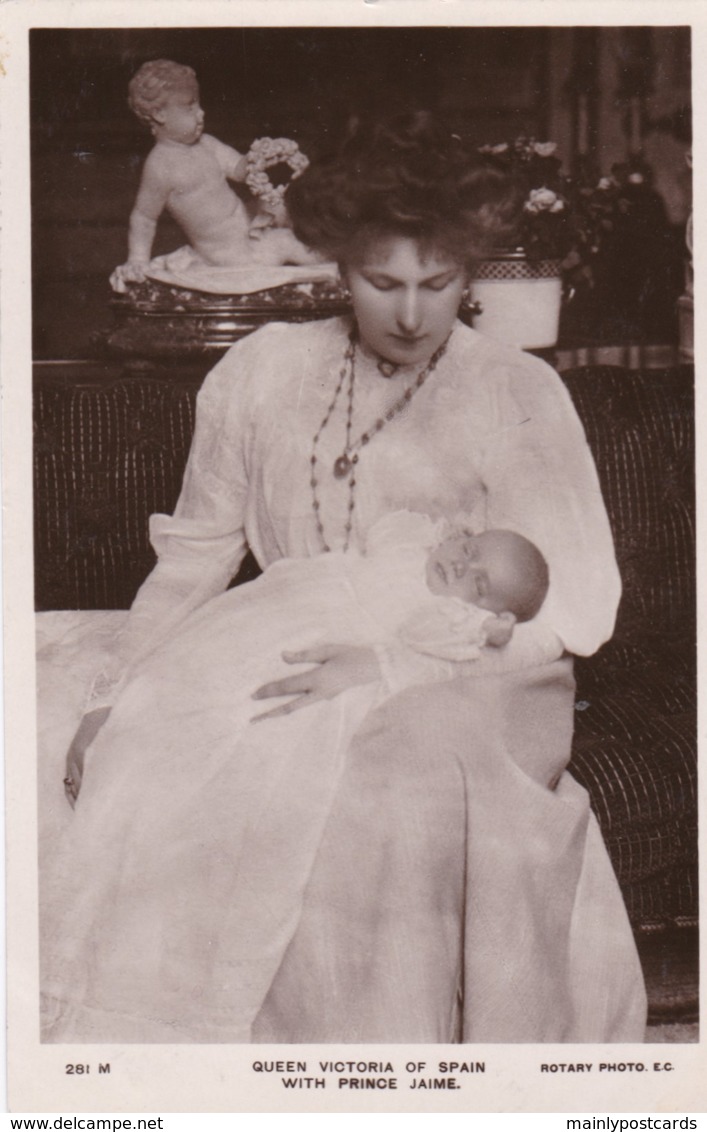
(342, 467)
(387, 368)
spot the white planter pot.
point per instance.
(520, 301)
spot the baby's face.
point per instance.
(480, 569)
(181, 119)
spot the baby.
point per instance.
(187, 173)
(433, 592)
(417, 591)
(243, 809)
(418, 594)
(498, 573)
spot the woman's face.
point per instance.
(405, 300)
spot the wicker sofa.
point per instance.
(110, 449)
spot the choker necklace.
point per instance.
(345, 464)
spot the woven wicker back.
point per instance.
(635, 741)
(640, 427)
(106, 457)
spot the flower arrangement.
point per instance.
(612, 217)
(542, 227)
(265, 154)
(597, 210)
(571, 219)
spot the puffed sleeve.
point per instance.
(200, 546)
(540, 480)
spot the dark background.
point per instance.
(110, 445)
(491, 83)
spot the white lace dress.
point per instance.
(455, 885)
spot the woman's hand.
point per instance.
(88, 728)
(339, 667)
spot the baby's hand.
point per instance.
(131, 272)
(499, 629)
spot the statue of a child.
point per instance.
(187, 173)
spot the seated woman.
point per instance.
(456, 887)
(442, 596)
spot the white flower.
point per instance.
(544, 149)
(605, 183)
(543, 200)
(635, 178)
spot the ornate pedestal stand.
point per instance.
(156, 322)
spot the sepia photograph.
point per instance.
(362, 560)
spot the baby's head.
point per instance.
(161, 91)
(497, 570)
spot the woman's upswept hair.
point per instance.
(407, 176)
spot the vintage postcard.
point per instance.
(350, 583)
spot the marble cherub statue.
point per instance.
(187, 173)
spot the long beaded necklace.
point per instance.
(345, 464)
